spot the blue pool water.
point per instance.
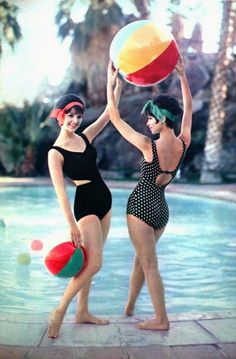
(197, 255)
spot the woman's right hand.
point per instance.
(75, 235)
(119, 83)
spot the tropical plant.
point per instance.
(10, 30)
(19, 132)
(210, 171)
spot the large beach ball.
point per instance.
(144, 53)
(65, 260)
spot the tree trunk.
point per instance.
(142, 7)
(90, 48)
(89, 66)
(213, 146)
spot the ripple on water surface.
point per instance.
(197, 255)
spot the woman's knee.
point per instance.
(94, 266)
(137, 264)
(149, 265)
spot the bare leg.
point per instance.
(91, 230)
(82, 312)
(137, 279)
(146, 252)
(135, 286)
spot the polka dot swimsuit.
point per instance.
(147, 201)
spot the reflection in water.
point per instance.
(197, 255)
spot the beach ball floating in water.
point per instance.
(65, 260)
(36, 245)
(23, 258)
(144, 53)
(2, 223)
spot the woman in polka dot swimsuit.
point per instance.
(147, 210)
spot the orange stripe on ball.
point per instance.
(143, 46)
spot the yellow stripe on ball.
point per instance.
(142, 48)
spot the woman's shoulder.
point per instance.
(55, 152)
(185, 141)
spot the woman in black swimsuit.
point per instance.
(147, 209)
(74, 155)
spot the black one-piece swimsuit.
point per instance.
(147, 201)
(93, 197)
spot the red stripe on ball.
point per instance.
(158, 69)
(58, 257)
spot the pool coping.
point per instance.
(211, 335)
(215, 191)
(201, 336)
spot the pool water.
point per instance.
(197, 255)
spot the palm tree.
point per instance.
(10, 30)
(143, 8)
(91, 41)
(210, 172)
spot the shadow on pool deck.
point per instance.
(190, 337)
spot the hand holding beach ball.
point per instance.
(65, 260)
(144, 53)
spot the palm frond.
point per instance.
(10, 29)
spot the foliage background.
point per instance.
(26, 134)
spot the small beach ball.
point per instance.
(36, 245)
(2, 223)
(65, 260)
(144, 53)
(23, 258)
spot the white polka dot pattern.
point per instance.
(147, 201)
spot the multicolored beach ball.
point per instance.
(143, 53)
(65, 260)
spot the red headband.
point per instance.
(59, 113)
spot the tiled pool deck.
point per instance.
(190, 337)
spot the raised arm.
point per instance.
(186, 126)
(96, 127)
(55, 163)
(137, 139)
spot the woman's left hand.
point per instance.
(180, 66)
(112, 76)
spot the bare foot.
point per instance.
(129, 309)
(154, 324)
(89, 318)
(55, 321)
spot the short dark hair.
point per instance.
(68, 98)
(169, 103)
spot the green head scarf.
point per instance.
(159, 113)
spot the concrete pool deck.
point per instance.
(190, 336)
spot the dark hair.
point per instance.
(169, 103)
(66, 99)
(78, 110)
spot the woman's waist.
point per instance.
(150, 182)
(149, 187)
(82, 182)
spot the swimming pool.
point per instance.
(197, 255)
